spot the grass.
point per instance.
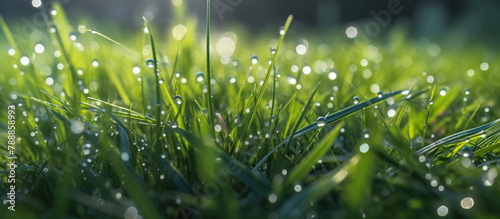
(396, 127)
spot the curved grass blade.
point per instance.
(330, 119)
(457, 136)
(133, 113)
(318, 189)
(304, 167)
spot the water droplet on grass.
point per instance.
(467, 91)
(254, 59)
(282, 30)
(72, 36)
(380, 94)
(332, 75)
(150, 63)
(200, 76)
(466, 151)
(355, 100)
(366, 133)
(178, 99)
(94, 31)
(321, 121)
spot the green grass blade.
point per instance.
(304, 167)
(157, 82)
(330, 119)
(210, 104)
(454, 137)
(266, 80)
(317, 189)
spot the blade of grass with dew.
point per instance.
(123, 108)
(318, 189)
(210, 104)
(133, 187)
(266, 80)
(257, 182)
(297, 124)
(156, 73)
(451, 138)
(74, 76)
(10, 38)
(330, 119)
(304, 167)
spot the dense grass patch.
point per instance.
(279, 125)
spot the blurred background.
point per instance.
(473, 19)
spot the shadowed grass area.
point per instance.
(219, 125)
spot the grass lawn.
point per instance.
(99, 123)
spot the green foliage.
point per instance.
(103, 133)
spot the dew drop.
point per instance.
(355, 100)
(254, 59)
(200, 76)
(366, 133)
(467, 152)
(273, 119)
(321, 121)
(94, 31)
(332, 75)
(72, 36)
(380, 94)
(282, 30)
(178, 99)
(467, 91)
(150, 63)
(443, 91)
